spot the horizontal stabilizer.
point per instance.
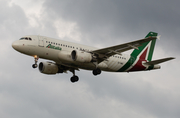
(155, 62)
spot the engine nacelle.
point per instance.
(48, 68)
(80, 56)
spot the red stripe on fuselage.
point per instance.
(138, 66)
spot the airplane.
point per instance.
(67, 56)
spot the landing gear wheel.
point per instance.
(34, 65)
(74, 79)
(94, 72)
(97, 71)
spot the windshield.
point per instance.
(25, 38)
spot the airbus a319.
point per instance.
(67, 56)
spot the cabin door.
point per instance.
(41, 42)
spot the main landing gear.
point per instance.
(74, 78)
(96, 71)
(36, 60)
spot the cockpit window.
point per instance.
(21, 39)
(25, 38)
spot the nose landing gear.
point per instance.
(36, 60)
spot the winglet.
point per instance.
(158, 37)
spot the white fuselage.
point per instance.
(70, 56)
(60, 52)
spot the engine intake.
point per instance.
(48, 68)
(80, 56)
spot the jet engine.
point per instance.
(81, 56)
(48, 68)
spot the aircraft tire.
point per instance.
(74, 79)
(34, 65)
(97, 71)
(94, 72)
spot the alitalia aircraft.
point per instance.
(67, 56)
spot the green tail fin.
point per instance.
(148, 46)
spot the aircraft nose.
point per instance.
(15, 45)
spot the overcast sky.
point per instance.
(26, 93)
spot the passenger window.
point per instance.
(30, 39)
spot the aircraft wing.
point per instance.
(104, 53)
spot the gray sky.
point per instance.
(25, 92)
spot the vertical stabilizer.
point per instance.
(146, 49)
(144, 53)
